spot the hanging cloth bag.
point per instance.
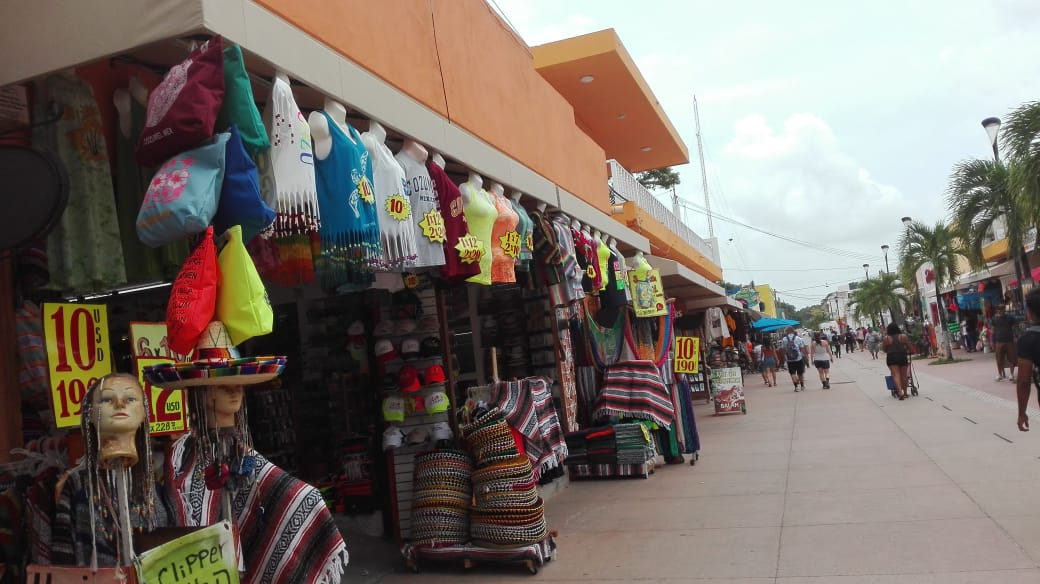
(182, 110)
(239, 106)
(242, 303)
(183, 195)
(240, 201)
(193, 298)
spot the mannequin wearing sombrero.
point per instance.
(112, 488)
(285, 532)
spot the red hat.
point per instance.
(434, 374)
(408, 379)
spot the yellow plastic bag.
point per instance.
(242, 302)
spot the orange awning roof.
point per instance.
(612, 102)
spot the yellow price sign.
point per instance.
(204, 555)
(364, 189)
(432, 226)
(166, 412)
(687, 355)
(470, 249)
(530, 242)
(78, 353)
(398, 207)
(510, 244)
(149, 339)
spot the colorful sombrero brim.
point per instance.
(245, 371)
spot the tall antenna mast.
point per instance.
(704, 171)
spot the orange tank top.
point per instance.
(505, 241)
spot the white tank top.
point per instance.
(820, 353)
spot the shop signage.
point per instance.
(398, 207)
(727, 390)
(647, 293)
(165, 406)
(205, 556)
(953, 327)
(78, 353)
(687, 355)
(167, 411)
(432, 226)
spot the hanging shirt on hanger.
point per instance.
(426, 221)
(455, 225)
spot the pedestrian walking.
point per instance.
(850, 341)
(1004, 342)
(796, 354)
(1028, 349)
(821, 358)
(873, 343)
(835, 340)
(768, 365)
(861, 336)
(897, 356)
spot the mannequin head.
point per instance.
(115, 421)
(597, 235)
(336, 111)
(497, 189)
(516, 196)
(415, 150)
(475, 180)
(611, 242)
(222, 403)
(541, 206)
(576, 225)
(438, 159)
(377, 130)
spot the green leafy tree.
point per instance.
(938, 246)
(1022, 150)
(664, 179)
(979, 195)
(878, 295)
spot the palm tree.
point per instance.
(877, 295)
(1021, 140)
(939, 246)
(979, 195)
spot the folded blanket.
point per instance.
(633, 389)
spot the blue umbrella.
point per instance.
(765, 325)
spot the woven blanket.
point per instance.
(633, 389)
(286, 533)
(527, 405)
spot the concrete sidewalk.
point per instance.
(846, 485)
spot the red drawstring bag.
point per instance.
(182, 110)
(193, 298)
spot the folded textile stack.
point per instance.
(634, 445)
(508, 511)
(577, 447)
(602, 446)
(441, 498)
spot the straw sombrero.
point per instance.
(216, 362)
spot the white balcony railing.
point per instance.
(624, 188)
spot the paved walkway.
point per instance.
(843, 486)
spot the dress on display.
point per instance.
(84, 250)
(396, 229)
(349, 226)
(429, 242)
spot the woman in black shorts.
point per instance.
(896, 346)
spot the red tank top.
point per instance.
(455, 225)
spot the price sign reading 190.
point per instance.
(77, 354)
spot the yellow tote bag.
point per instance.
(242, 302)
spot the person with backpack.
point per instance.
(1028, 358)
(835, 343)
(797, 354)
(850, 341)
(821, 357)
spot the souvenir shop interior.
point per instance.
(317, 317)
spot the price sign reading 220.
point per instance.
(78, 353)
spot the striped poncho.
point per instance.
(286, 533)
(633, 389)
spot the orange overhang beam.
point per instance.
(612, 102)
(664, 243)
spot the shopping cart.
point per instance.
(912, 382)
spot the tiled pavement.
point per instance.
(846, 486)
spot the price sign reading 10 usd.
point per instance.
(78, 353)
(687, 354)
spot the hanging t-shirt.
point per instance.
(427, 221)
(505, 241)
(588, 261)
(481, 214)
(526, 230)
(613, 294)
(603, 258)
(396, 229)
(455, 225)
(349, 226)
(623, 268)
(570, 287)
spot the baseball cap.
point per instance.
(392, 438)
(430, 347)
(437, 402)
(356, 332)
(441, 431)
(405, 327)
(385, 351)
(385, 328)
(428, 324)
(410, 348)
(393, 409)
(417, 404)
(408, 379)
(418, 435)
(434, 374)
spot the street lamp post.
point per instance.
(866, 274)
(992, 127)
(884, 248)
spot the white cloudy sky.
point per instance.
(823, 121)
